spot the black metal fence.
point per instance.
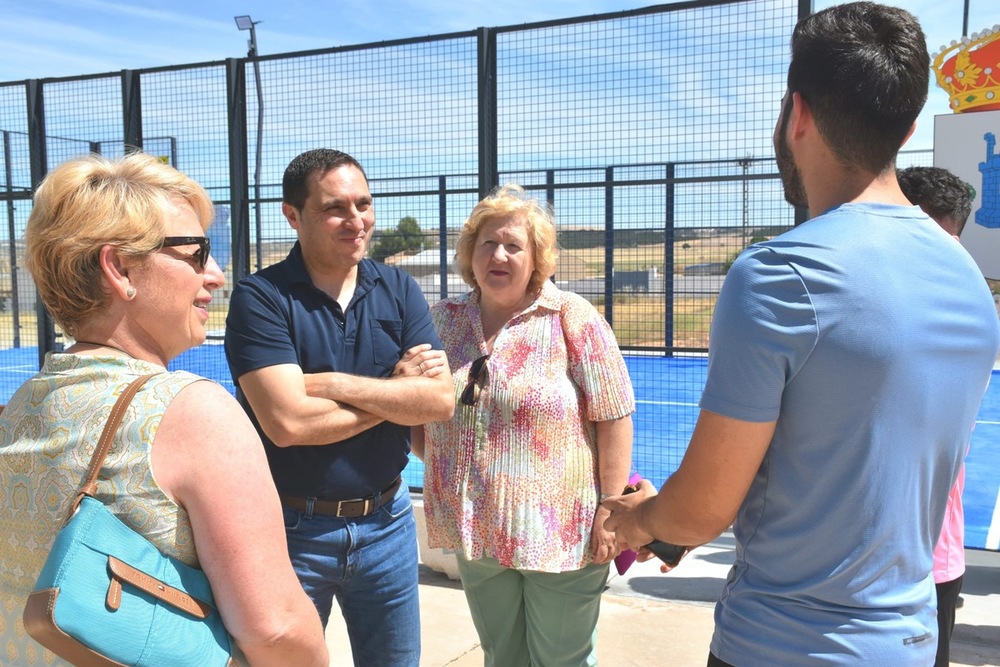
(648, 130)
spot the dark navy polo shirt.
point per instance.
(277, 316)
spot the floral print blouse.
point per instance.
(515, 476)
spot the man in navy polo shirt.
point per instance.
(335, 357)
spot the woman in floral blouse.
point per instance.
(542, 431)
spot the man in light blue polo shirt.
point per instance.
(335, 357)
(847, 359)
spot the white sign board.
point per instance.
(968, 145)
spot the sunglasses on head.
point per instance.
(200, 255)
(472, 390)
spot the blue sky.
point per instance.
(67, 37)
(54, 38)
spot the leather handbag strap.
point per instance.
(89, 486)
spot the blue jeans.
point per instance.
(370, 565)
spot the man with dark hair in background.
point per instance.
(941, 194)
(847, 359)
(948, 200)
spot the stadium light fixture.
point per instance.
(247, 23)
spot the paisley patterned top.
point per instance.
(48, 433)
(514, 477)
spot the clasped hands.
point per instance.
(630, 516)
(421, 360)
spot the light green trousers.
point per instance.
(534, 619)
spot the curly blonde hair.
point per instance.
(507, 200)
(89, 202)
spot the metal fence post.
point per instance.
(39, 167)
(132, 110)
(609, 244)
(489, 176)
(443, 234)
(15, 304)
(239, 188)
(668, 259)
(550, 197)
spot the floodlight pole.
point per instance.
(246, 23)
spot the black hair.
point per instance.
(295, 182)
(864, 71)
(940, 193)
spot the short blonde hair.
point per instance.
(88, 202)
(507, 200)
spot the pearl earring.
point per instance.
(130, 292)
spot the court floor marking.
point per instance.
(683, 404)
(993, 534)
(688, 404)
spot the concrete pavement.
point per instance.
(634, 629)
(649, 618)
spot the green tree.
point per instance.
(407, 238)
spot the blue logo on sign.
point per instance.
(988, 214)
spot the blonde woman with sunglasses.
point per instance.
(118, 251)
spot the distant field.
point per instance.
(638, 318)
(719, 248)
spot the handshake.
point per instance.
(670, 554)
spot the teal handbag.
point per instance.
(107, 597)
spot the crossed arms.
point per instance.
(296, 408)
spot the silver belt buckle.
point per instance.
(366, 510)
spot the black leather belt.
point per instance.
(347, 509)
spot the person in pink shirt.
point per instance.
(948, 200)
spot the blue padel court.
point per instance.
(667, 392)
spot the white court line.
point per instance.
(993, 534)
(683, 404)
(985, 422)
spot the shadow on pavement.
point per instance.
(687, 589)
